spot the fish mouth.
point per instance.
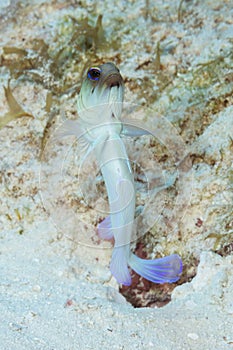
(113, 80)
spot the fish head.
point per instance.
(101, 95)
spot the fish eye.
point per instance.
(94, 73)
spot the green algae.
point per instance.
(76, 43)
(15, 110)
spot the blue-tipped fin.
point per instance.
(167, 269)
(104, 229)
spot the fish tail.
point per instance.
(167, 269)
(119, 265)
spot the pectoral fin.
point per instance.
(69, 128)
(134, 128)
(74, 128)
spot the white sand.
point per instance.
(58, 294)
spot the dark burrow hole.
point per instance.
(143, 293)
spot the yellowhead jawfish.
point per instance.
(100, 126)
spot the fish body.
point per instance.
(99, 107)
(119, 182)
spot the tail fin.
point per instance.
(119, 265)
(167, 269)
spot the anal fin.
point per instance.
(104, 229)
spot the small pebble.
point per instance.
(193, 336)
(36, 288)
(15, 327)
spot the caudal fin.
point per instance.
(167, 269)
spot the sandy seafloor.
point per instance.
(57, 293)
